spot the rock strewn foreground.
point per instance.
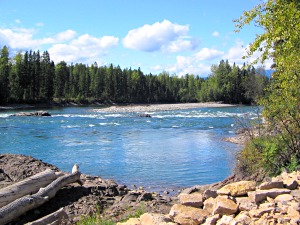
(113, 200)
(274, 202)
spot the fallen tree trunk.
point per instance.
(27, 186)
(24, 204)
(59, 217)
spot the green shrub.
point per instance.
(249, 159)
(268, 152)
(94, 220)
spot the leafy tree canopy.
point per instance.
(280, 41)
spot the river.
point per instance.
(172, 149)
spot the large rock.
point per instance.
(290, 183)
(37, 113)
(238, 188)
(209, 194)
(284, 198)
(195, 199)
(212, 220)
(209, 205)
(257, 213)
(271, 185)
(186, 215)
(243, 218)
(220, 205)
(245, 204)
(260, 195)
(155, 219)
(224, 206)
(226, 220)
(131, 221)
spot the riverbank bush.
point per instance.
(269, 153)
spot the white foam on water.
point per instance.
(5, 115)
(200, 114)
(70, 126)
(114, 115)
(93, 116)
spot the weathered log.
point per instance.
(27, 186)
(58, 217)
(18, 207)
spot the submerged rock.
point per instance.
(37, 113)
(145, 115)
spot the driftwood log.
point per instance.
(18, 207)
(59, 217)
(27, 186)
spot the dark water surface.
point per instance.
(172, 149)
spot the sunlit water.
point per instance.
(172, 149)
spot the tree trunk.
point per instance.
(58, 217)
(24, 204)
(27, 186)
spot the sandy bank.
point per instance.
(160, 107)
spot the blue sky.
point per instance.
(159, 35)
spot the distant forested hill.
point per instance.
(33, 77)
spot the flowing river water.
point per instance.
(172, 149)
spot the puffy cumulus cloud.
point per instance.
(236, 52)
(235, 55)
(188, 65)
(197, 64)
(63, 46)
(85, 49)
(17, 38)
(22, 38)
(160, 36)
(207, 54)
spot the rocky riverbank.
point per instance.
(112, 200)
(275, 201)
(159, 107)
(236, 200)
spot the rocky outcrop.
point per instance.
(37, 113)
(113, 200)
(275, 201)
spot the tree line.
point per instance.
(32, 77)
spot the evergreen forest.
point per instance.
(32, 77)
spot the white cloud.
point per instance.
(188, 65)
(18, 38)
(206, 54)
(164, 36)
(84, 49)
(63, 46)
(216, 34)
(17, 21)
(235, 55)
(197, 64)
(200, 62)
(22, 38)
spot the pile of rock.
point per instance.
(275, 201)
